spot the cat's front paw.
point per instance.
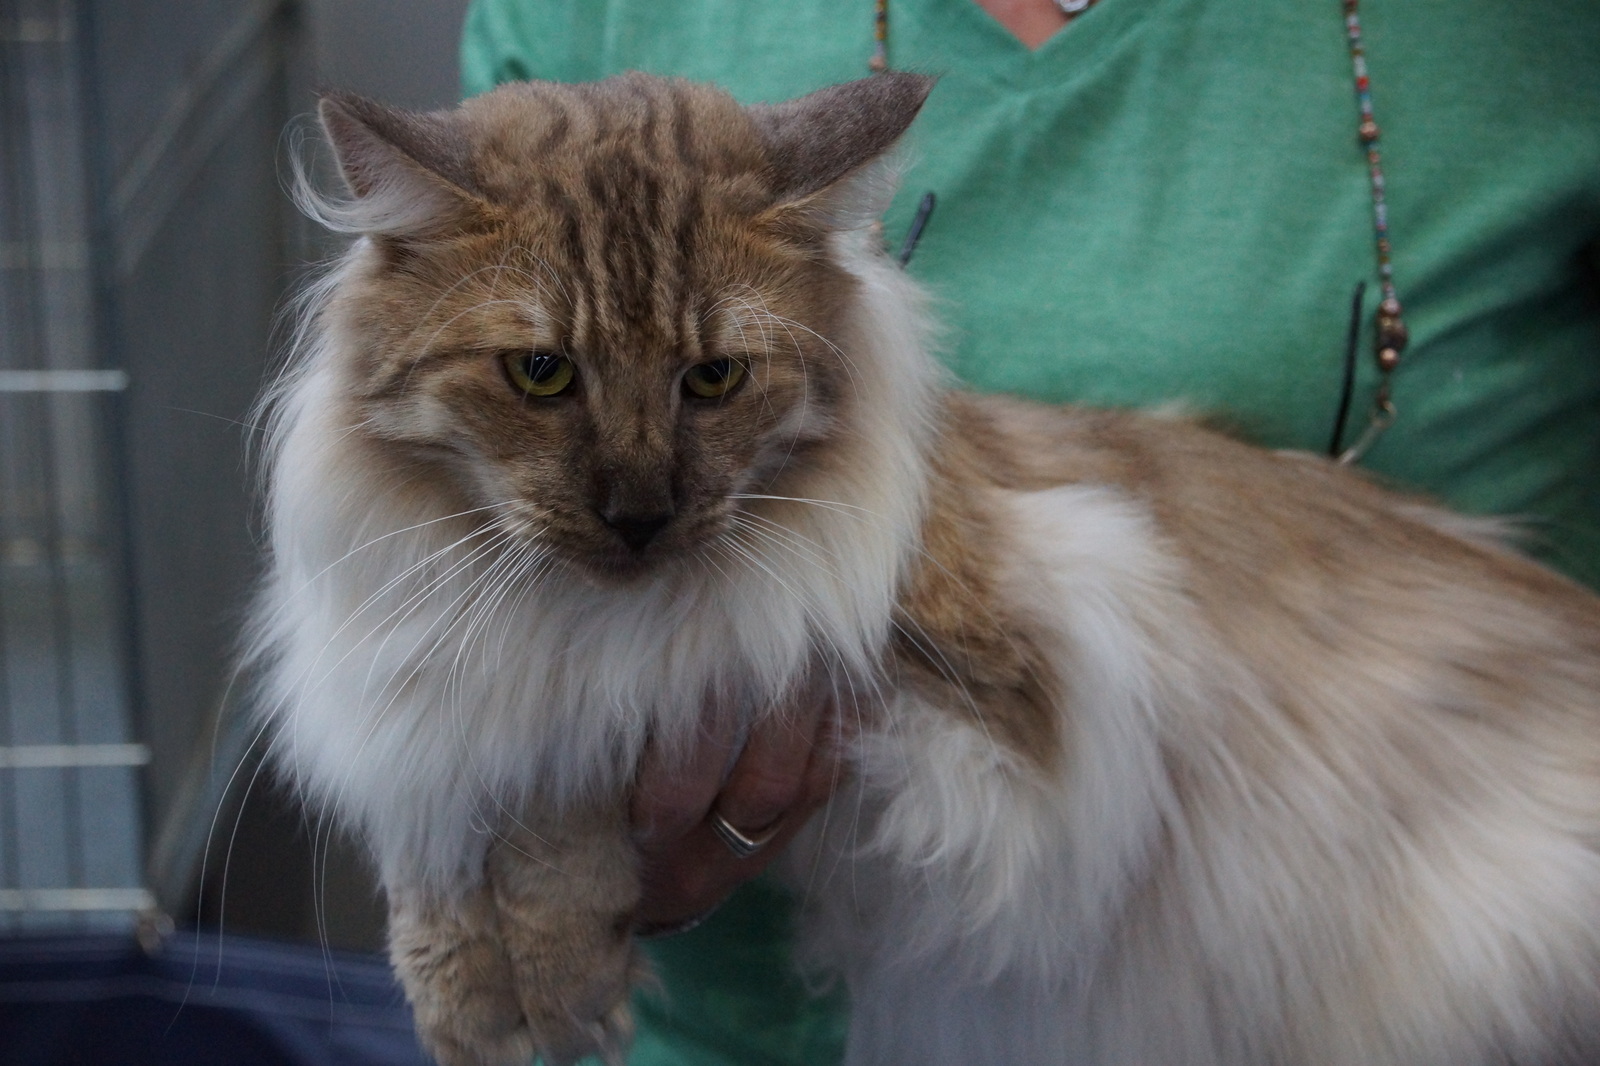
(573, 964)
(538, 959)
(493, 981)
(572, 1024)
(458, 979)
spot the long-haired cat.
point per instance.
(1172, 751)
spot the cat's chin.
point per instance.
(622, 568)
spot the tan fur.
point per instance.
(960, 637)
(640, 226)
(1424, 674)
(536, 961)
(1367, 685)
(1322, 580)
(657, 246)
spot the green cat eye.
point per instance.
(538, 373)
(713, 379)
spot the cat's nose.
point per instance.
(636, 529)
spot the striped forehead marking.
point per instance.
(627, 217)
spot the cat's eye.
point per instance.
(716, 378)
(539, 373)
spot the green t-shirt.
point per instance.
(1168, 201)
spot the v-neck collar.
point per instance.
(992, 52)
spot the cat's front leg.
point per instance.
(537, 959)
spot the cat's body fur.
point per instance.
(1173, 751)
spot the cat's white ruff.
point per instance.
(424, 701)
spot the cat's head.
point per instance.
(608, 308)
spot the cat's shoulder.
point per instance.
(1238, 516)
(1025, 445)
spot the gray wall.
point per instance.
(400, 51)
(191, 97)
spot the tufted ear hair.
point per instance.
(410, 172)
(814, 143)
(819, 138)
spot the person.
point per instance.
(1142, 202)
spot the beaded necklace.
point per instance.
(880, 38)
(1390, 334)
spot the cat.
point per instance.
(1171, 750)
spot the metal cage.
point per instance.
(145, 248)
(71, 829)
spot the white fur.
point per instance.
(988, 915)
(426, 680)
(422, 699)
(976, 900)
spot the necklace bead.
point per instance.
(880, 38)
(1390, 333)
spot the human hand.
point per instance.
(786, 770)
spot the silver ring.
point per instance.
(665, 929)
(742, 845)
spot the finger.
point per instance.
(698, 872)
(674, 790)
(770, 776)
(827, 760)
(684, 880)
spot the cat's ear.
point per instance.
(409, 171)
(822, 147)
